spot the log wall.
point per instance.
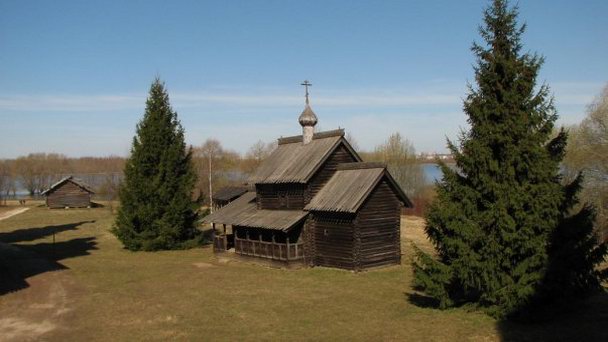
(297, 195)
(280, 196)
(377, 238)
(333, 240)
(329, 167)
(70, 195)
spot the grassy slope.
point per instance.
(122, 295)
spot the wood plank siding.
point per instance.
(359, 241)
(333, 240)
(340, 155)
(378, 228)
(70, 195)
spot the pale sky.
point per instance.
(74, 75)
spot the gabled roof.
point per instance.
(294, 162)
(243, 212)
(350, 186)
(229, 193)
(71, 179)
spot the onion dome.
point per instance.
(308, 117)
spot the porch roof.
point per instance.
(243, 212)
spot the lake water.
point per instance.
(432, 173)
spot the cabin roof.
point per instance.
(243, 212)
(72, 179)
(294, 162)
(229, 193)
(350, 186)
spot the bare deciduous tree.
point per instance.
(210, 151)
(400, 157)
(28, 171)
(587, 152)
(256, 154)
(352, 141)
(6, 180)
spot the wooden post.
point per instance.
(288, 249)
(273, 243)
(252, 245)
(225, 237)
(260, 240)
(238, 243)
(357, 246)
(214, 235)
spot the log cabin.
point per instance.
(314, 202)
(69, 192)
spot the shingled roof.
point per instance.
(348, 188)
(294, 162)
(243, 212)
(76, 181)
(229, 193)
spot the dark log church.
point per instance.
(313, 201)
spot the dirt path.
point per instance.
(43, 301)
(13, 212)
(35, 293)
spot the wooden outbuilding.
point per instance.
(316, 203)
(226, 195)
(69, 192)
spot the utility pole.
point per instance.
(210, 187)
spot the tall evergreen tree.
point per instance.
(501, 223)
(157, 210)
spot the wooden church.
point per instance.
(313, 201)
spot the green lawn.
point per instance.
(108, 293)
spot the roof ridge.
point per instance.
(361, 166)
(319, 135)
(79, 182)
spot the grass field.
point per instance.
(86, 287)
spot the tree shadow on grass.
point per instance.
(421, 300)
(580, 320)
(571, 320)
(21, 261)
(31, 234)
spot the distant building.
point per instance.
(315, 203)
(226, 195)
(68, 193)
(430, 157)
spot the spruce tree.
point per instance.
(502, 223)
(157, 210)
